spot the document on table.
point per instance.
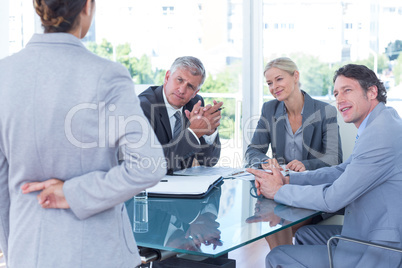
(185, 186)
(225, 172)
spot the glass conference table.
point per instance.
(229, 217)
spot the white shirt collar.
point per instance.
(169, 108)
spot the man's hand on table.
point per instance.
(268, 183)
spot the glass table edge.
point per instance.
(189, 252)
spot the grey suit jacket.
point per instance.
(66, 113)
(321, 139)
(179, 151)
(368, 185)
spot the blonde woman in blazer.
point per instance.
(293, 110)
(302, 132)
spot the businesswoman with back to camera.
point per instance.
(303, 132)
(72, 137)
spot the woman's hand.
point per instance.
(296, 165)
(51, 195)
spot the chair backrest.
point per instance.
(357, 241)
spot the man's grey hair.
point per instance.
(192, 64)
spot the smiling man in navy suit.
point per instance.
(186, 129)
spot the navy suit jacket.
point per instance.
(180, 151)
(321, 139)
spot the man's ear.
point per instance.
(372, 92)
(167, 75)
(195, 93)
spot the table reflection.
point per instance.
(177, 223)
(231, 216)
(267, 210)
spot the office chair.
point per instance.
(353, 240)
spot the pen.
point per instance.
(237, 173)
(219, 109)
(164, 180)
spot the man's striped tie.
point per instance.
(177, 125)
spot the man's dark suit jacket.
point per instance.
(180, 151)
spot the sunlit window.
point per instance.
(320, 36)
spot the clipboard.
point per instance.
(185, 186)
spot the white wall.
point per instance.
(4, 26)
(348, 133)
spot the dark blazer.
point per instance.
(180, 151)
(321, 139)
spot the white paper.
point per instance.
(192, 185)
(205, 171)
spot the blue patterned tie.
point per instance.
(357, 137)
(177, 125)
